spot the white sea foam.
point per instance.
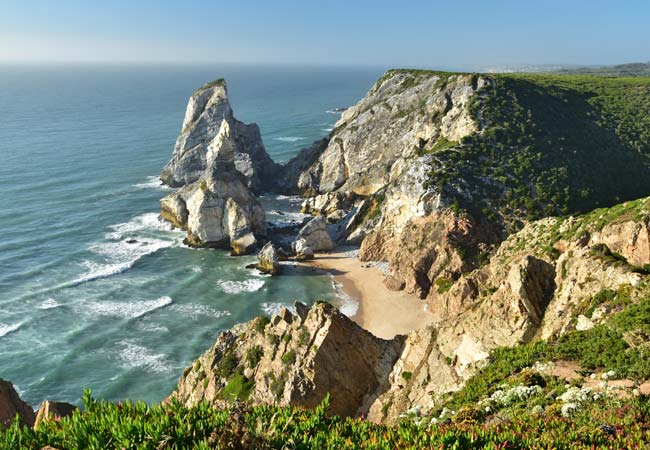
(327, 130)
(7, 329)
(272, 308)
(291, 198)
(143, 222)
(128, 310)
(346, 304)
(289, 138)
(195, 311)
(236, 287)
(133, 356)
(49, 303)
(153, 182)
(128, 242)
(152, 327)
(333, 111)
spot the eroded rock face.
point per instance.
(218, 210)
(207, 108)
(296, 359)
(11, 404)
(315, 235)
(268, 260)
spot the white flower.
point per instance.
(537, 409)
(569, 409)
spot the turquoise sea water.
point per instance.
(95, 291)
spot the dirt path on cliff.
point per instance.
(383, 312)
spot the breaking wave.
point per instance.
(127, 310)
(236, 287)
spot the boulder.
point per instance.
(53, 410)
(315, 235)
(268, 260)
(11, 404)
(302, 250)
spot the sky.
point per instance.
(398, 33)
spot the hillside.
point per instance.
(514, 205)
(618, 70)
(463, 160)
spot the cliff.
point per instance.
(442, 167)
(554, 278)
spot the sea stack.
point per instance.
(206, 109)
(218, 162)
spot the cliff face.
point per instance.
(295, 359)
(448, 165)
(554, 276)
(206, 109)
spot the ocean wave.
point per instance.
(135, 356)
(346, 304)
(291, 198)
(195, 311)
(152, 327)
(7, 329)
(128, 310)
(289, 138)
(144, 222)
(127, 243)
(327, 130)
(273, 308)
(236, 287)
(153, 182)
(336, 111)
(49, 303)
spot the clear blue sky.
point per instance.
(445, 34)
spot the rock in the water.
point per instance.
(315, 235)
(302, 250)
(206, 109)
(294, 360)
(53, 410)
(218, 210)
(268, 260)
(11, 404)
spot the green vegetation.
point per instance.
(238, 387)
(253, 356)
(441, 144)
(104, 425)
(443, 284)
(605, 346)
(289, 357)
(261, 323)
(552, 144)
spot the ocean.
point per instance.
(95, 291)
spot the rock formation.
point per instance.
(11, 404)
(315, 235)
(268, 260)
(296, 359)
(218, 210)
(207, 108)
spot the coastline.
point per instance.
(383, 312)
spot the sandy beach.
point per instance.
(383, 312)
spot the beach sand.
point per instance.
(383, 312)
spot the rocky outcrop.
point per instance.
(218, 210)
(53, 410)
(11, 405)
(295, 359)
(302, 250)
(333, 205)
(268, 260)
(207, 108)
(315, 235)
